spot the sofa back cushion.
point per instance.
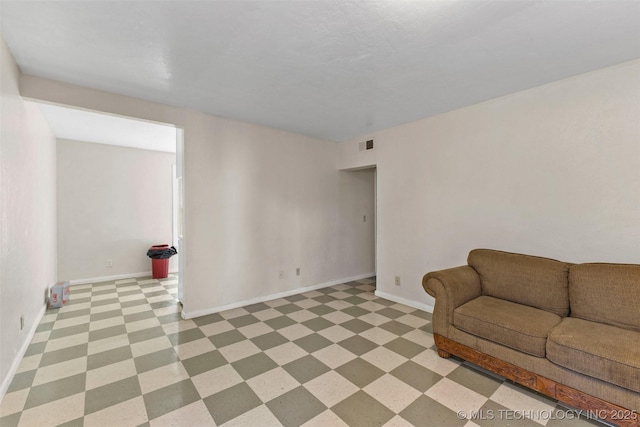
(524, 279)
(606, 293)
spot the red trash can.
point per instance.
(159, 267)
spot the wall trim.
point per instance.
(110, 278)
(198, 313)
(6, 382)
(420, 306)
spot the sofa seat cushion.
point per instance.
(598, 350)
(514, 325)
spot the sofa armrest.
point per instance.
(451, 288)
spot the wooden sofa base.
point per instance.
(604, 410)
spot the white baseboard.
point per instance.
(420, 306)
(116, 277)
(108, 278)
(6, 382)
(198, 313)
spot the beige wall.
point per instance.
(27, 217)
(257, 201)
(113, 203)
(551, 171)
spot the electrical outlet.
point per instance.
(21, 321)
(298, 271)
(281, 274)
(109, 263)
(397, 280)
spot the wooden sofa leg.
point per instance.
(444, 354)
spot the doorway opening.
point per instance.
(117, 180)
(362, 207)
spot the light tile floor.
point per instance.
(119, 354)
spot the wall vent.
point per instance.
(366, 145)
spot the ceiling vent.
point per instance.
(366, 145)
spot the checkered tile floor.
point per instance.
(119, 355)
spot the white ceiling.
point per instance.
(330, 69)
(88, 126)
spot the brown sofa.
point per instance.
(569, 331)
